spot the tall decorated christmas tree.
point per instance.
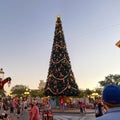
(60, 79)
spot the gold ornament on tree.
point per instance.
(50, 75)
(69, 86)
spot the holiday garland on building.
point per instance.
(60, 79)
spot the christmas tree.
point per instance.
(60, 79)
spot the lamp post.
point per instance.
(1, 74)
(94, 95)
(1, 78)
(26, 93)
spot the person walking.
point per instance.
(98, 107)
(111, 102)
(18, 107)
(84, 107)
(61, 103)
(81, 107)
(34, 112)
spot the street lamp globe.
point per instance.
(26, 93)
(1, 74)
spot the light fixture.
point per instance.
(118, 44)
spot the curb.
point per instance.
(73, 111)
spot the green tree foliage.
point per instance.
(82, 93)
(110, 79)
(35, 93)
(85, 93)
(88, 92)
(2, 92)
(99, 91)
(18, 90)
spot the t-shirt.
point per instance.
(35, 112)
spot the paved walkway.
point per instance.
(67, 111)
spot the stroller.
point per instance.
(4, 116)
(47, 115)
(47, 112)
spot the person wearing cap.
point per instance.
(111, 101)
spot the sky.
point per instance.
(91, 29)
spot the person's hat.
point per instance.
(111, 94)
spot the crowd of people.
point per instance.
(12, 109)
(106, 107)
